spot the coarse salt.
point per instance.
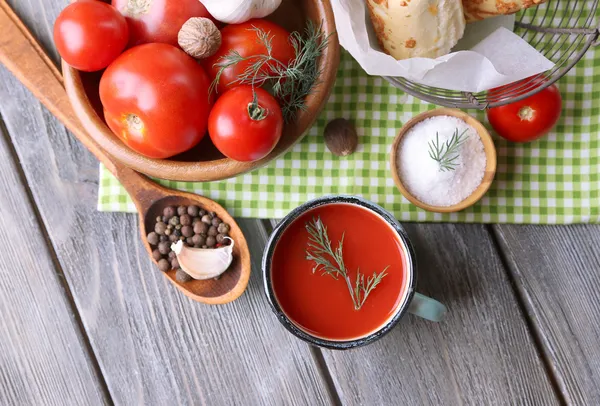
(421, 175)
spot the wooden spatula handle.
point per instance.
(25, 58)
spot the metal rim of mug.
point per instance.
(270, 249)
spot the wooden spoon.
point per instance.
(25, 58)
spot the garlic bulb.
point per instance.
(240, 11)
(201, 263)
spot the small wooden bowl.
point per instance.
(490, 152)
(204, 163)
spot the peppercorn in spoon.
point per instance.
(25, 58)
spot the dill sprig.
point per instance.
(290, 83)
(320, 248)
(446, 154)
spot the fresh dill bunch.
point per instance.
(289, 83)
(321, 252)
(446, 153)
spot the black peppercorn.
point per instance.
(169, 212)
(159, 228)
(185, 220)
(189, 242)
(156, 255)
(196, 220)
(173, 238)
(193, 210)
(216, 221)
(153, 238)
(182, 277)
(177, 233)
(211, 242)
(187, 231)
(164, 265)
(164, 248)
(172, 255)
(223, 229)
(206, 219)
(181, 210)
(158, 219)
(212, 214)
(212, 231)
(199, 240)
(164, 238)
(201, 213)
(174, 221)
(200, 228)
(220, 238)
(175, 263)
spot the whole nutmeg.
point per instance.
(341, 137)
(199, 37)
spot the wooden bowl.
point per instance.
(490, 152)
(204, 163)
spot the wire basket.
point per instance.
(562, 30)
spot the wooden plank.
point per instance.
(482, 354)
(37, 320)
(154, 346)
(557, 272)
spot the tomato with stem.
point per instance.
(249, 41)
(156, 100)
(529, 119)
(245, 124)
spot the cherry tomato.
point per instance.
(158, 20)
(243, 38)
(156, 100)
(529, 119)
(242, 129)
(90, 34)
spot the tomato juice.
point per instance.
(321, 305)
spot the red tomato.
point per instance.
(241, 130)
(529, 119)
(158, 20)
(89, 35)
(244, 39)
(156, 100)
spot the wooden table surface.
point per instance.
(86, 318)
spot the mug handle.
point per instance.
(427, 308)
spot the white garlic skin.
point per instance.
(240, 11)
(203, 263)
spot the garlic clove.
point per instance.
(240, 11)
(202, 264)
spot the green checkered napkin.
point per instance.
(551, 181)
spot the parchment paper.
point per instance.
(489, 55)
